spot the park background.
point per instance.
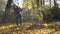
(49, 8)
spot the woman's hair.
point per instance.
(14, 6)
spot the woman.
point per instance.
(17, 14)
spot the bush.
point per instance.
(55, 11)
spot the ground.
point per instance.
(30, 28)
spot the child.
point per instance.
(40, 18)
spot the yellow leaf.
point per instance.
(14, 33)
(27, 3)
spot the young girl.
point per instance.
(40, 18)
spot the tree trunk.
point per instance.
(55, 3)
(37, 3)
(43, 2)
(50, 2)
(7, 10)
